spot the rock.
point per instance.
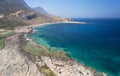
(13, 62)
(1, 16)
(29, 15)
(64, 69)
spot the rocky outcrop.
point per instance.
(69, 68)
(15, 63)
(30, 15)
(2, 16)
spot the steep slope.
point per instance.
(11, 6)
(40, 10)
(24, 4)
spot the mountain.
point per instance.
(16, 13)
(40, 10)
(11, 6)
(24, 4)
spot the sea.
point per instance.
(95, 44)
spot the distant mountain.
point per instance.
(40, 10)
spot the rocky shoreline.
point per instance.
(15, 61)
(66, 67)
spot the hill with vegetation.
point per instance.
(11, 6)
(17, 13)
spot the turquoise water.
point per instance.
(95, 44)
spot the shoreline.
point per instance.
(91, 69)
(32, 65)
(29, 28)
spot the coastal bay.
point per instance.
(87, 48)
(59, 38)
(56, 57)
(33, 59)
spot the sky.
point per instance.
(79, 8)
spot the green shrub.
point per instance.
(1, 43)
(46, 70)
(5, 34)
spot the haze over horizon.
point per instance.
(79, 8)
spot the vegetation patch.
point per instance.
(34, 49)
(46, 70)
(39, 50)
(10, 24)
(59, 54)
(1, 43)
(3, 35)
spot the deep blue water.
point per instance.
(95, 44)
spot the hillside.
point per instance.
(11, 6)
(40, 10)
(16, 13)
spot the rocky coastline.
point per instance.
(15, 61)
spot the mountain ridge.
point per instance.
(11, 6)
(41, 10)
(17, 12)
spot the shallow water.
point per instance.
(95, 44)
